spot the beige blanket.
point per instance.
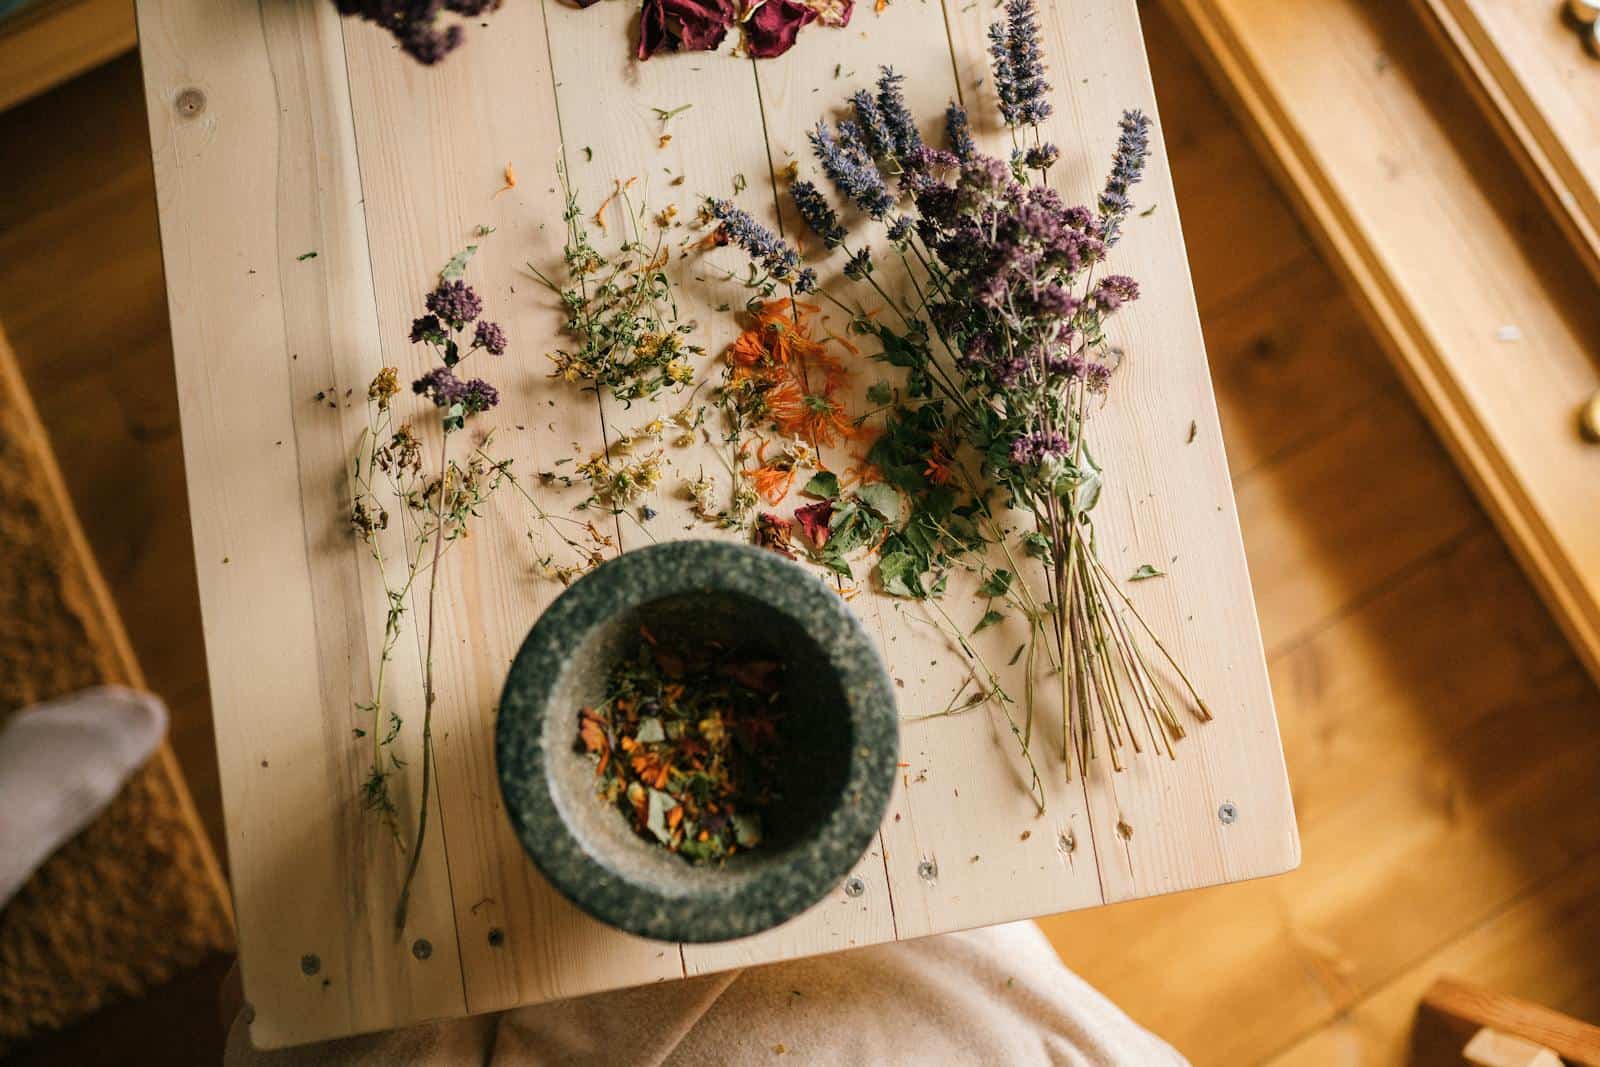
(996, 996)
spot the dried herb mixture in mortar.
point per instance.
(686, 745)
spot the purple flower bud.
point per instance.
(1113, 291)
(490, 337)
(427, 328)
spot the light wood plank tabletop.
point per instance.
(278, 130)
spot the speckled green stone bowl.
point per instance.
(840, 737)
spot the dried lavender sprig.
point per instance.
(818, 214)
(856, 177)
(1005, 79)
(775, 255)
(1017, 60)
(876, 138)
(896, 115)
(1027, 61)
(1127, 168)
(958, 131)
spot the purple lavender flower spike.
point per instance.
(856, 178)
(774, 254)
(1005, 80)
(896, 115)
(1127, 168)
(958, 131)
(1018, 64)
(876, 137)
(818, 214)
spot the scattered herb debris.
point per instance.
(303, 256)
(686, 745)
(666, 115)
(1145, 573)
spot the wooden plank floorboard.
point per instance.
(1404, 660)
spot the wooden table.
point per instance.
(279, 131)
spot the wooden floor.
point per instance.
(1443, 744)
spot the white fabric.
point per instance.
(996, 996)
(61, 764)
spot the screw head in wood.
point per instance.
(422, 948)
(310, 964)
(190, 102)
(1228, 813)
(497, 937)
(854, 887)
(928, 870)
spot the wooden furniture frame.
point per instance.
(44, 45)
(1496, 345)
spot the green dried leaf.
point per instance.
(901, 575)
(880, 393)
(458, 264)
(882, 498)
(302, 257)
(824, 485)
(997, 584)
(1145, 573)
(989, 619)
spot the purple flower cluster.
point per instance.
(414, 23)
(452, 305)
(1018, 64)
(1013, 252)
(773, 253)
(1041, 157)
(441, 386)
(455, 303)
(1113, 291)
(427, 328)
(490, 337)
(1039, 447)
(1127, 168)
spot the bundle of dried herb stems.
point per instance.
(1002, 337)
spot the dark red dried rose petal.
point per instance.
(683, 25)
(772, 30)
(814, 520)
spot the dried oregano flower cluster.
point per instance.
(416, 24)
